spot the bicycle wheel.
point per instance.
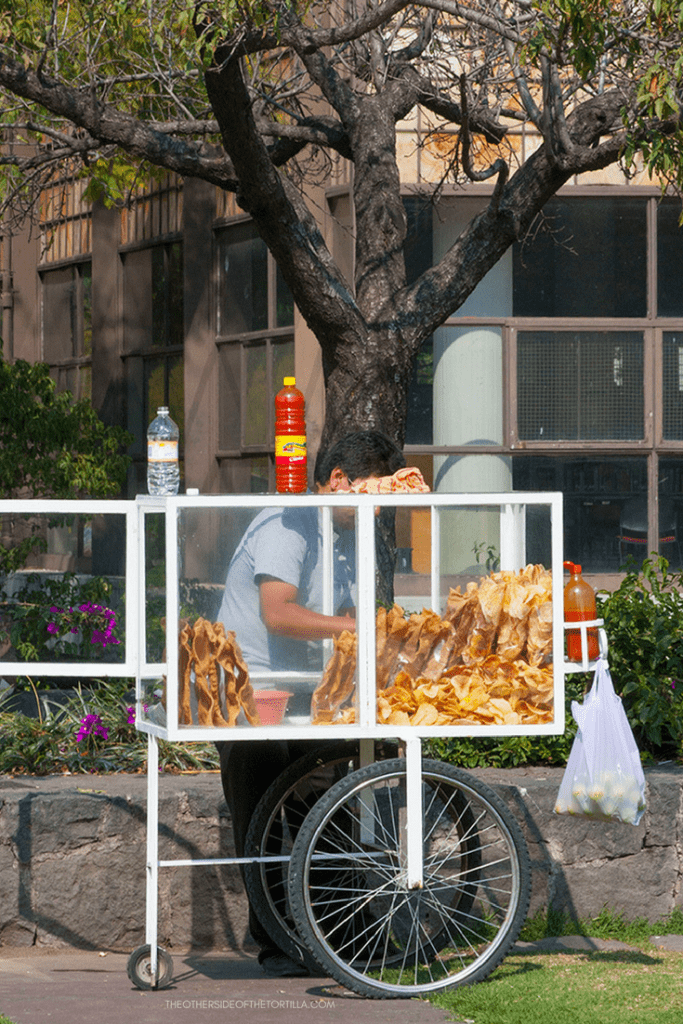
(275, 825)
(349, 897)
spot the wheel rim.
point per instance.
(367, 927)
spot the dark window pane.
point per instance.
(86, 291)
(583, 257)
(257, 395)
(155, 387)
(579, 385)
(419, 421)
(284, 303)
(59, 314)
(597, 493)
(669, 259)
(418, 251)
(672, 385)
(137, 300)
(671, 510)
(176, 393)
(243, 280)
(230, 397)
(283, 366)
(176, 324)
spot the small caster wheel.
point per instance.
(140, 968)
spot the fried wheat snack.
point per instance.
(204, 646)
(184, 673)
(239, 693)
(337, 683)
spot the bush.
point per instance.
(644, 625)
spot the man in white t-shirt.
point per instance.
(272, 601)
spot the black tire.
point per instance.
(274, 826)
(356, 916)
(140, 968)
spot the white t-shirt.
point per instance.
(286, 544)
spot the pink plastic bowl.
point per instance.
(271, 705)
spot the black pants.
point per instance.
(247, 770)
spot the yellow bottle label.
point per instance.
(290, 448)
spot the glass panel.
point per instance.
(260, 482)
(65, 600)
(85, 383)
(596, 495)
(137, 300)
(580, 386)
(669, 259)
(243, 280)
(283, 366)
(257, 394)
(86, 286)
(587, 257)
(419, 429)
(176, 325)
(58, 314)
(468, 386)
(176, 393)
(284, 303)
(159, 298)
(251, 548)
(155, 387)
(439, 654)
(155, 587)
(672, 385)
(671, 510)
(230, 396)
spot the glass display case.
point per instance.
(455, 637)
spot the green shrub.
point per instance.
(644, 625)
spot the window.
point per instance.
(67, 326)
(256, 351)
(153, 334)
(574, 345)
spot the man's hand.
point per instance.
(284, 617)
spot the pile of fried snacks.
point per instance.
(486, 662)
(221, 677)
(408, 480)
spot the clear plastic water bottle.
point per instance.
(163, 472)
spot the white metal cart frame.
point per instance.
(512, 508)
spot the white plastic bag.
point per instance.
(604, 777)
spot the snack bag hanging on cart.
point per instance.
(604, 777)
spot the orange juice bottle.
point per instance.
(579, 606)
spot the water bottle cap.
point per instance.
(290, 382)
(162, 409)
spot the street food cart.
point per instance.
(397, 875)
(393, 872)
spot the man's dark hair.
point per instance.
(362, 454)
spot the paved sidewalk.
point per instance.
(60, 986)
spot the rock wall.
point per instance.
(73, 853)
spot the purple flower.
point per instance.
(131, 716)
(56, 611)
(52, 627)
(91, 725)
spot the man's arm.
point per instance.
(284, 617)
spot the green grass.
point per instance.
(637, 986)
(5, 1020)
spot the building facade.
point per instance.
(562, 371)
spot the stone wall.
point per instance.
(72, 858)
